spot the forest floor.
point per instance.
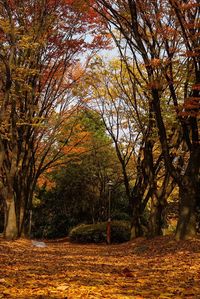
(157, 268)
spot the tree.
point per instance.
(163, 37)
(111, 88)
(41, 42)
(109, 98)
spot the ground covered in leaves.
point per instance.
(158, 268)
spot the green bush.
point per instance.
(120, 231)
(116, 215)
(96, 233)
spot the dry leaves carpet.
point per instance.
(158, 268)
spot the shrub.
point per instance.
(96, 233)
(120, 231)
(116, 215)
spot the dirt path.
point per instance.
(158, 268)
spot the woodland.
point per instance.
(99, 122)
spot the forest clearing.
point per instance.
(156, 268)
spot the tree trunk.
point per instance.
(10, 226)
(136, 229)
(26, 224)
(156, 218)
(186, 226)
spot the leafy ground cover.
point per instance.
(158, 268)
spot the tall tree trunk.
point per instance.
(188, 190)
(25, 200)
(26, 224)
(186, 226)
(136, 229)
(156, 218)
(10, 226)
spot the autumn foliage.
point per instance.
(140, 269)
(160, 40)
(41, 43)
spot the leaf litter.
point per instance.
(157, 268)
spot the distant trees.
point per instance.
(104, 90)
(77, 192)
